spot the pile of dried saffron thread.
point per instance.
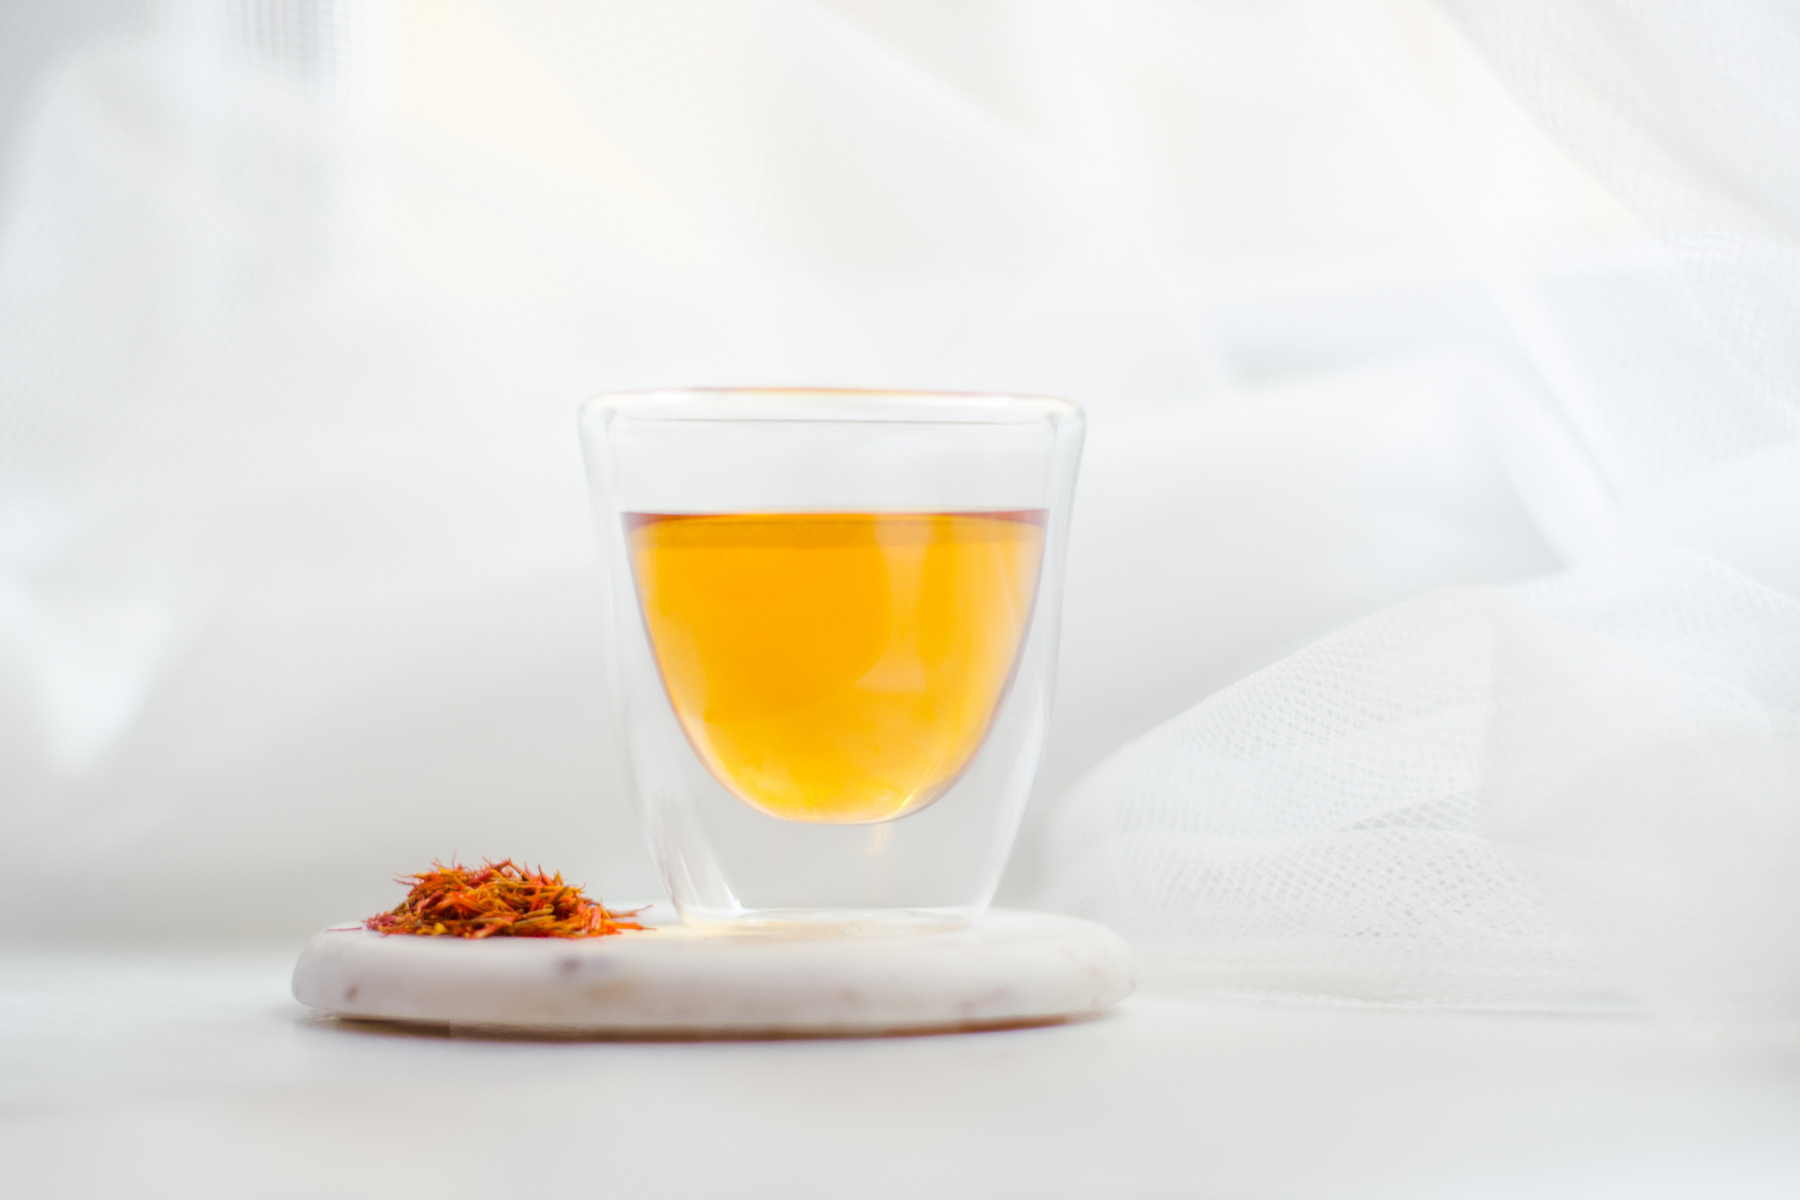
(497, 899)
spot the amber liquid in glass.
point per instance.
(836, 667)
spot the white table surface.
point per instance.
(144, 1074)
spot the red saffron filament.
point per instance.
(497, 899)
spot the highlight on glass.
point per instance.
(831, 639)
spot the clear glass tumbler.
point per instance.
(831, 639)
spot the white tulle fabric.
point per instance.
(1433, 622)
(1589, 785)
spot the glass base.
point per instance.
(835, 922)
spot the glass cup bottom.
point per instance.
(804, 922)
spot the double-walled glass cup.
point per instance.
(831, 639)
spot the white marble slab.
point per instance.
(1004, 968)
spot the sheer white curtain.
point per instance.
(1431, 628)
(1589, 785)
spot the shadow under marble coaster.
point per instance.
(1003, 968)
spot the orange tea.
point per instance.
(837, 667)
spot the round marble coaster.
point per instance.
(1003, 968)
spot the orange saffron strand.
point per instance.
(497, 899)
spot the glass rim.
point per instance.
(825, 405)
